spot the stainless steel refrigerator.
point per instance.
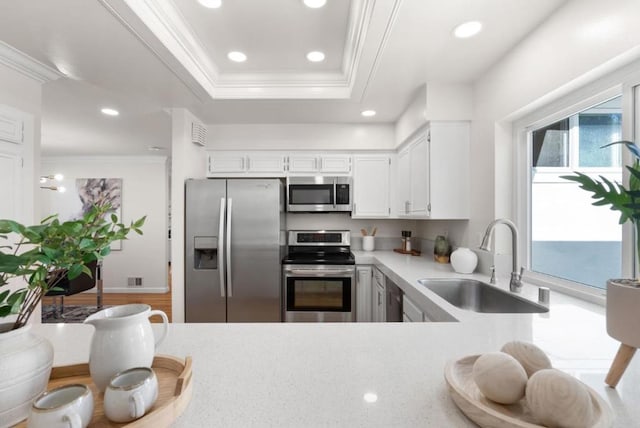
(234, 229)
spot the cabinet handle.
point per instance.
(248, 164)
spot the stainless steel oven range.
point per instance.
(318, 277)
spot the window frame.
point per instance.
(563, 108)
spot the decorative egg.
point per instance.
(463, 260)
(500, 377)
(559, 400)
(529, 355)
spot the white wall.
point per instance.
(144, 192)
(300, 137)
(24, 94)
(582, 41)
(188, 161)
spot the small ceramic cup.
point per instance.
(368, 243)
(130, 394)
(69, 406)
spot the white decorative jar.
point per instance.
(463, 260)
(25, 366)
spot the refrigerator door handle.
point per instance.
(221, 246)
(228, 250)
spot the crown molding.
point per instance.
(160, 25)
(26, 65)
(133, 159)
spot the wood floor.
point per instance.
(161, 301)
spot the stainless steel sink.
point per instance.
(478, 296)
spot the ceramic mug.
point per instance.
(130, 394)
(69, 406)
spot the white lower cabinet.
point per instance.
(411, 312)
(363, 293)
(378, 301)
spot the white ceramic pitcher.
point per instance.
(123, 340)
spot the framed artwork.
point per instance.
(89, 191)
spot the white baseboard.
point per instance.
(131, 290)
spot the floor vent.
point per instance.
(134, 281)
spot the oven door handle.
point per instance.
(323, 272)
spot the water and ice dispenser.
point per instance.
(205, 250)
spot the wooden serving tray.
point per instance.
(412, 252)
(488, 414)
(174, 392)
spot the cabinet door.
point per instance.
(449, 171)
(410, 311)
(339, 164)
(381, 306)
(363, 293)
(378, 303)
(403, 186)
(303, 163)
(266, 163)
(371, 186)
(226, 162)
(419, 177)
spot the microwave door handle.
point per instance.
(228, 250)
(335, 192)
(221, 246)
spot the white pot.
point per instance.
(463, 260)
(623, 314)
(25, 365)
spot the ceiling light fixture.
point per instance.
(315, 4)
(368, 113)
(155, 148)
(468, 29)
(315, 56)
(110, 111)
(211, 4)
(236, 56)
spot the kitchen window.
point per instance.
(570, 238)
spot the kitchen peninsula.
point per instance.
(369, 374)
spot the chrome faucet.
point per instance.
(515, 285)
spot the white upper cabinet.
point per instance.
(242, 163)
(433, 173)
(320, 163)
(371, 175)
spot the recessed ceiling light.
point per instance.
(315, 56)
(155, 148)
(468, 29)
(236, 56)
(211, 4)
(314, 4)
(110, 111)
(368, 113)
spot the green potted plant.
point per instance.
(33, 260)
(623, 295)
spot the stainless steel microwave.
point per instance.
(319, 194)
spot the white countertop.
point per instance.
(316, 375)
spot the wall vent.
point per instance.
(134, 281)
(198, 134)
